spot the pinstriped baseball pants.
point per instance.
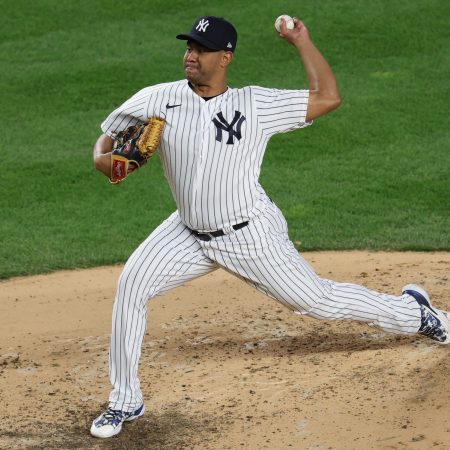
(262, 255)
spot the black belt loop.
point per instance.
(203, 236)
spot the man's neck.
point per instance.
(208, 90)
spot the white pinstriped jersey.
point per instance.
(212, 150)
(212, 153)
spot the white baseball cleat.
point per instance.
(109, 423)
(435, 323)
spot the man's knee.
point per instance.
(132, 289)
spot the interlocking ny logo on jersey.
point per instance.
(222, 125)
(202, 25)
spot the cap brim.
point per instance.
(199, 40)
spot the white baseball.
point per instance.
(289, 22)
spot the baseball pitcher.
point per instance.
(211, 139)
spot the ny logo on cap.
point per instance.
(202, 25)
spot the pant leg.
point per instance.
(169, 257)
(263, 256)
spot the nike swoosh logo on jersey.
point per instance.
(172, 106)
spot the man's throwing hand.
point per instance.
(295, 35)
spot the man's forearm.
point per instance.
(102, 154)
(320, 75)
(324, 92)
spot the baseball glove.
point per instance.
(134, 146)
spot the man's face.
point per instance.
(200, 63)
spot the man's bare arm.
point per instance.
(323, 90)
(102, 154)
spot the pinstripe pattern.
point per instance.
(260, 254)
(169, 257)
(215, 185)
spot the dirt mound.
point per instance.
(224, 367)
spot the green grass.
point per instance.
(374, 174)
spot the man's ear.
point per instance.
(227, 57)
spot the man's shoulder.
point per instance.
(242, 90)
(164, 86)
(255, 90)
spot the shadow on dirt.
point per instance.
(167, 431)
(306, 343)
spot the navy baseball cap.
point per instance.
(212, 32)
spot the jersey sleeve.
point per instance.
(130, 113)
(281, 110)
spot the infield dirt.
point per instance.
(224, 367)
